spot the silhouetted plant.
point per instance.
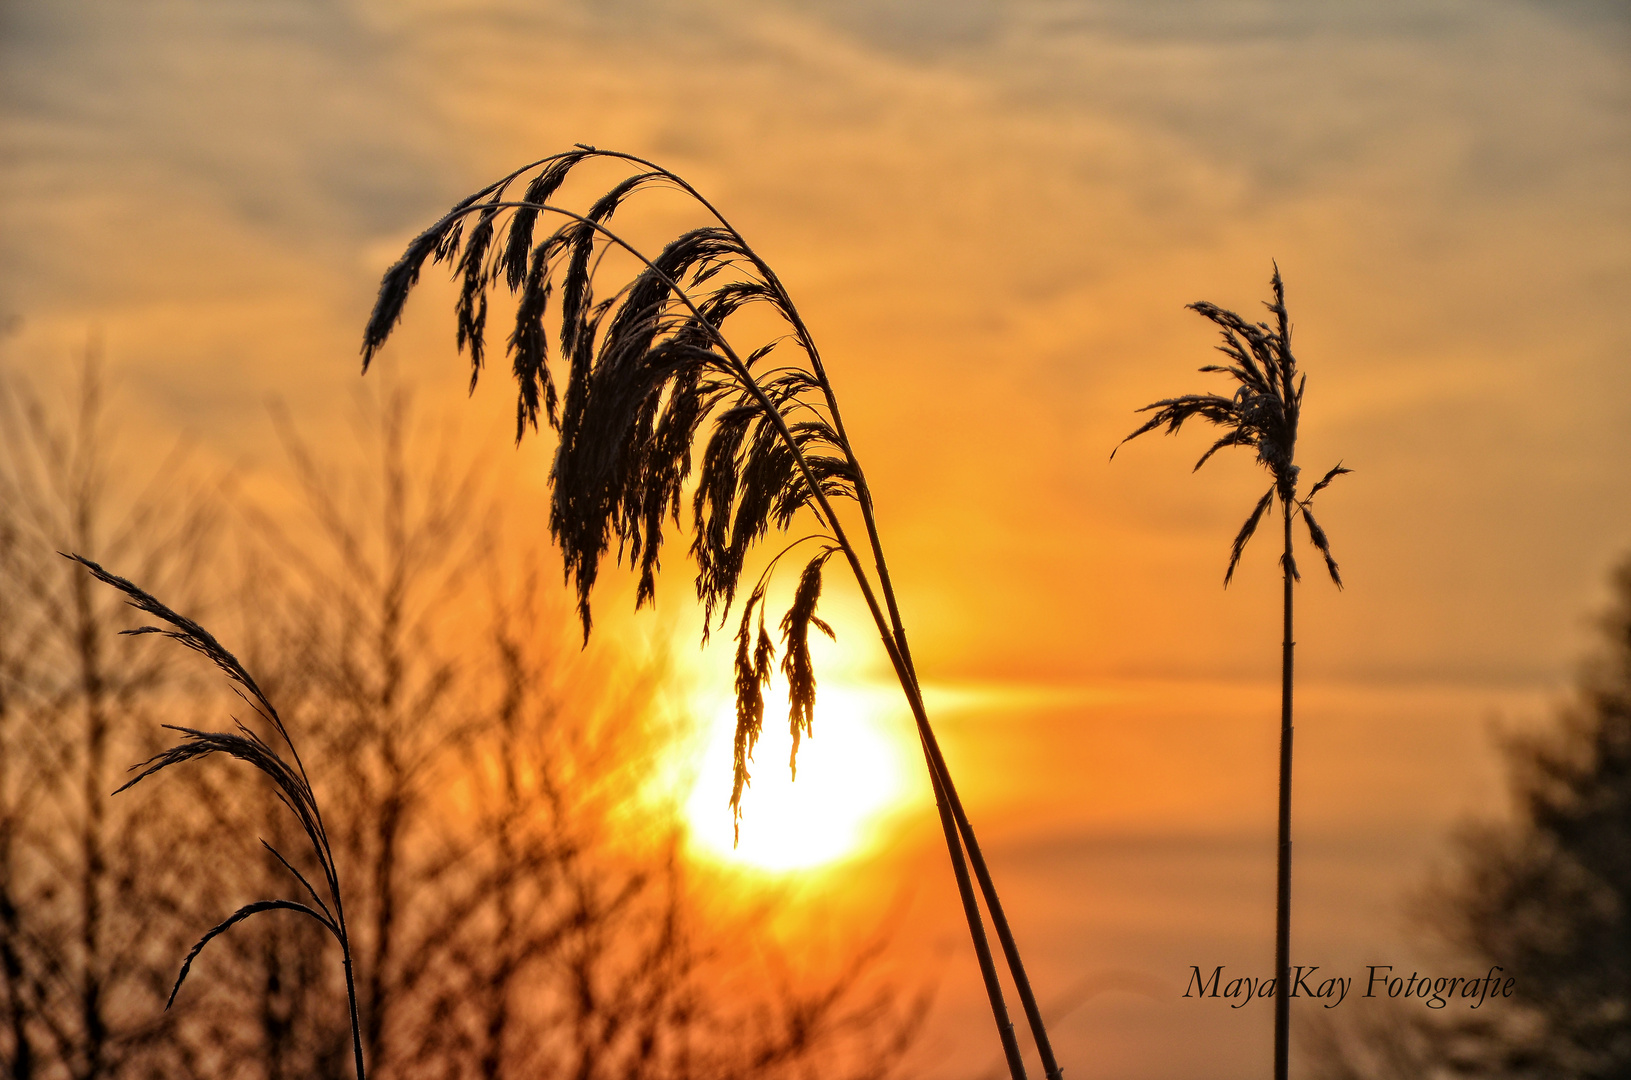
(289, 777)
(1543, 894)
(1262, 414)
(478, 787)
(81, 966)
(652, 378)
(1547, 894)
(521, 942)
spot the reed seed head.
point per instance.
(1262, 413)
(654, 398)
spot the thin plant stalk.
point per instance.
(667, 366)
(1263, 414)
(294, 788)
(1282, 867)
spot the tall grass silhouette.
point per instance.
(1262, 414)
(654, 382)
(81, 960)
(288, 775)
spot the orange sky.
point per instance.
(991, 215)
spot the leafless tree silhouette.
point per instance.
(1546, 896)
(472, 789)
(78, 988)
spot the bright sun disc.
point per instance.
(850, 776)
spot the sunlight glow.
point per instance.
(851, 775)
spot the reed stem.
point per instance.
(988, 888)
(1282, 891)
(958, 831)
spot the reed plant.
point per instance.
(288, 775)
(81, 960)
(659, 406)
(1262, 414)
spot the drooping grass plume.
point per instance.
(78, 993)
(1262, 414)
(288, 775)
(657, 407)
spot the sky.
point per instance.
(992, 216)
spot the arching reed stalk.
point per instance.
(1262, 414)
(293, 788)
(652, 379)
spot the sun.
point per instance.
(853, 775)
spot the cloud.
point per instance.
(1007, 203)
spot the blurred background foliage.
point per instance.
(516, 893)
(1545, 895)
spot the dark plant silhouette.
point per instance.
(653, 382)
(1262, 414)
(1545, 894)
(379, 702)
(1383, 1040)
(80, 973)
(289, 777)
(477, 787)
(1548, 896)
(509, 937)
